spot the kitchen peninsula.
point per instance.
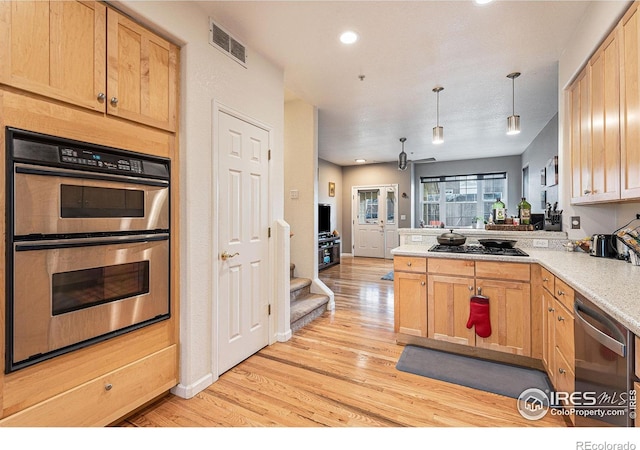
(532, 298)
(611, 284)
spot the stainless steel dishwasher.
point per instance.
(604, 395)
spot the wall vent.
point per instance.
(227, 44)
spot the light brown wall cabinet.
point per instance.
(630, 125)
(603, 110)
(56, 58)
(594, 105)
(88, 55)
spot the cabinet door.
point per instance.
(605, 121)
(630, 126)
(580, 138)
(142, 74)
(510, 312)
(448, 306)
(56, 49)
(410, 303)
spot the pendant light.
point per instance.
(402, 158)
(438, 131)
(513, 121)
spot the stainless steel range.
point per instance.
(477, 250)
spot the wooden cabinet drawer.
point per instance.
(503, 271)
(443, 266)
(565, 377)
(564, 294)
(564, 334)
(410, 264)
(548, 280)
(105, 399)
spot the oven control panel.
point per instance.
(100, 160)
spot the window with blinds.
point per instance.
(459, 201)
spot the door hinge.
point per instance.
(269, 309)
(269, 232)
(269, 155)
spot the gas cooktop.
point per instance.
(477, 250)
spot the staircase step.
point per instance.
(307, 308)
(299, 287)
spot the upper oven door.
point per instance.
(61, 201)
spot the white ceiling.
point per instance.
(406, 48)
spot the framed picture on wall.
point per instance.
(332, 189)
(552, 171)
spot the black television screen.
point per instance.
(324, 218)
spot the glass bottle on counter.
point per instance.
(524, 211)
(499, 211)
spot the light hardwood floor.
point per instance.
(339, 371)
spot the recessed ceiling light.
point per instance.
(483, 2)
(360, 160)
(348, 37)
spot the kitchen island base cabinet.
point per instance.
(448, 309)
(510, 315)
(452, 283)
(410, 302)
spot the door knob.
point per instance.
(226, 255)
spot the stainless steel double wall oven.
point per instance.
(87, 244)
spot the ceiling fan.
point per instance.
(403, 159)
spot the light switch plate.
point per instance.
(403, 217)
(575, 222)
(294, 193)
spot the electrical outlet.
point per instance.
(541, 243)
(575, 222)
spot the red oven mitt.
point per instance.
(479, 316)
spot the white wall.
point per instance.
(301, 162)
(541, 149)
(596, 24)
(257, 92)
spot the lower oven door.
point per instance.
(71, 293)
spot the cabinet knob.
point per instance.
(587, 192)
(471, 288)
(114, 101)
(545, 279)
(409, 264)
(560, 292)
(560, 318)
(551, 309)
(422, 283)
(101, 96)
(108, 386)
(562, 371)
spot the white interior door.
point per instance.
(391, 236)
(368, 222)
(243, 298)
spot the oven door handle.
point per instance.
(617, 346)
(89, 242)
(54, 172)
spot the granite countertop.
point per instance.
(611, 284)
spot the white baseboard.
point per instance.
(189, 391)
